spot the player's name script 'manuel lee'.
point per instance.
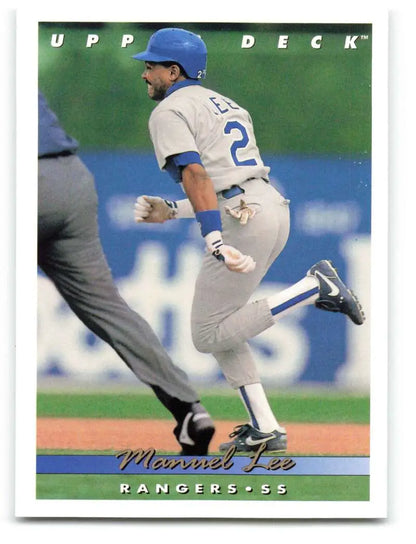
(147, 459)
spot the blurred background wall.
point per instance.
(308, 89)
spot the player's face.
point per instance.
(158, 80)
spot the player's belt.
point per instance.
(232, 191)
(236, 189)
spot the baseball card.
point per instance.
(197, 331)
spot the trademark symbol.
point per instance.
(364, 37)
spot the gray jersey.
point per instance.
(197, 119)
(190, 119)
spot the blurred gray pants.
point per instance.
(70, 253)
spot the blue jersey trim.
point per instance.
(181, 85)
(189, 157)
(176, 163)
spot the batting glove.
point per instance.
(233, 259)
(154, 209)
(242, 214)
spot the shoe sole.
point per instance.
(250, 449)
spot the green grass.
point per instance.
(299, 488)
(289, 407)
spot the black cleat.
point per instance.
(334, 296)
(247, 439)
(195, 431)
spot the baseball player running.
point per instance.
(70, 253)
(206, 142)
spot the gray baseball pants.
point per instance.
(222, 320)
(70, 253)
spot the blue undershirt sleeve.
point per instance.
(176, 163)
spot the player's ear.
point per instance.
(175, 71)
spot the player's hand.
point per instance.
(234, 260)
(153, 209)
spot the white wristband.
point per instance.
(184, 209)
(213, 240)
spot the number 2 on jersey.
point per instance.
(238, 143)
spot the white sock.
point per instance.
(258, 408)
(302, 293)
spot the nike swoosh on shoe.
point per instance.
(334, 289)
(255, 442)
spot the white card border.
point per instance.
(26, 504)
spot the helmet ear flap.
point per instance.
(179, 46)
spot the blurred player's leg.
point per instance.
(70, 253)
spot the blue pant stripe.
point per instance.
(247, 403)
(293, 301)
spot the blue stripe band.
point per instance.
(248, 405)
(109, 464)
(209, 220)
(189, 157)
(293, 301)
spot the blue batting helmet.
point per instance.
(179, 46)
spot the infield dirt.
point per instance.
(117, 434)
